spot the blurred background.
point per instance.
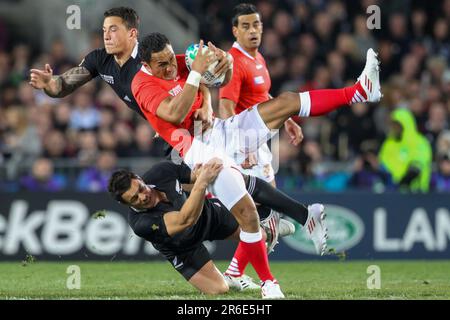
(73, 144)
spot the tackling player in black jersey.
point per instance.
(117, 63)
(177, 225)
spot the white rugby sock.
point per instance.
(305, 104)
(250, 237)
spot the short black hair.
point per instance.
(154, 42)
(128, 15)
(119, 183)
(242, 10)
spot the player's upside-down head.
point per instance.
(158, 56)
(129, 189)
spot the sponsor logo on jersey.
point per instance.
(258, 80)
(176, 264)
(175, 91)
(108, 79)
(178, 187)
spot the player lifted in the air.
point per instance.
(169, 95)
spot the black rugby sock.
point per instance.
(263, 212)
(264, 193)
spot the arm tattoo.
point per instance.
(69, 81)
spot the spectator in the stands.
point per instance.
(95, 178)
(43, 178)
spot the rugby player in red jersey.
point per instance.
(169, 97)
(249, 86)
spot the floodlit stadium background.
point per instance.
(74, 143)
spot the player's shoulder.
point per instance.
(260, 58)
(237, 55)
(181, 58)
(183, 71)
(147, 224)
(100, 55)
(143, 78)
(161, 171)
(98, 60)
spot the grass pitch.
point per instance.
(158, 280)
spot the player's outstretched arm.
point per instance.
(59, 86)
(177, 221)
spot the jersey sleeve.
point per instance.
(90, 62)
(232, 90)
(184, 173)
(148, 95)
(151, 227)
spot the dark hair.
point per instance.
(154, 42)
(128, 15)
(241, 10)
(119, 183)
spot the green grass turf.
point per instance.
(158, 280)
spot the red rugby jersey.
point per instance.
(250, 83)
(149, 91)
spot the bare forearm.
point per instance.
(207, 101)
(227, 112)
(182, 103)
(228, 77)
(62, 85)
(192, 208)
(226, 108)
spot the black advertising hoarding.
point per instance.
(57, 226)
(65, 226)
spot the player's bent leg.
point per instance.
(245, 213)
(319, 102)
(209, 280)
(229, 187)
(275, 112)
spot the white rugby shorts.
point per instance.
(230, 140)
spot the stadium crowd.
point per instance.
(307, 45)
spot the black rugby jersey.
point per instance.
(100, 63)
(149, 224)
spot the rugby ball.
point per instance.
(208, 78)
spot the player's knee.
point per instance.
(216, 289)
(223, 288)
(251, 218)
(247, 214)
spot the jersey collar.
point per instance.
(144, 69)
(238, 46)
(134, 53)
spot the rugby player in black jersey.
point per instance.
(177, 225)
(117, 63)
